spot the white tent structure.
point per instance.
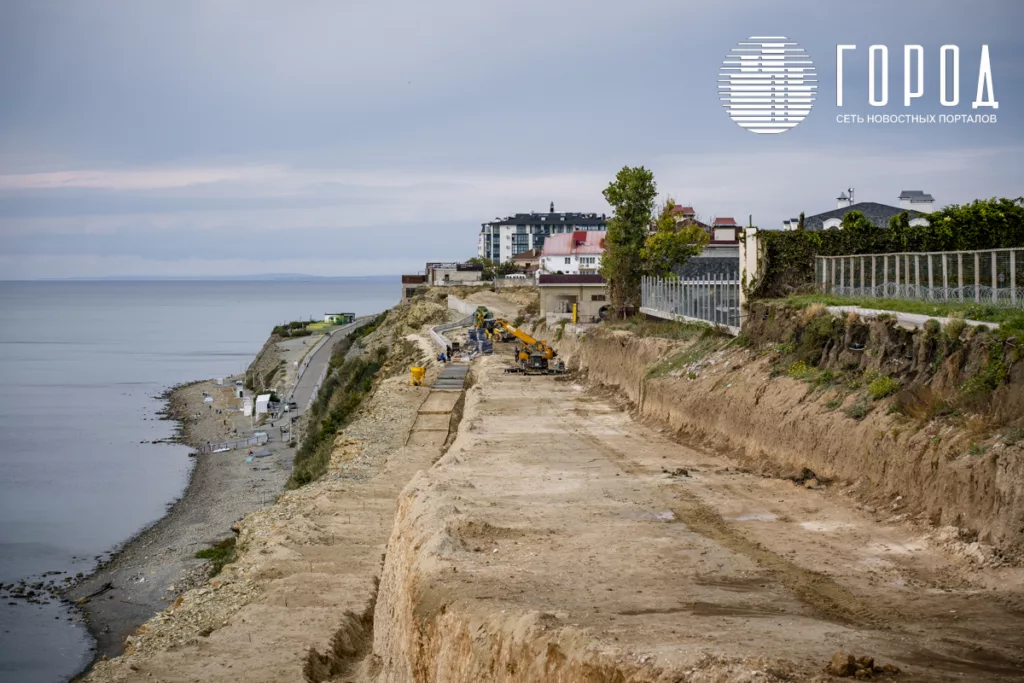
(262, 404)
(247, 406)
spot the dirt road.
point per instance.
(559, 537)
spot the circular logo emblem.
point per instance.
(767, 84)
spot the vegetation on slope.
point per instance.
(348, 382)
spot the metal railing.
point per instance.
(990, 276)
(712, 299)
(255, 440)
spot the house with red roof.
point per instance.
(573, 253)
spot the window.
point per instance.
(567, 259)
(597, 297)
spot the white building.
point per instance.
(262, 404)
(574, 253)
(504, 238)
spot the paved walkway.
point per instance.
(907, 319)
(318, 361)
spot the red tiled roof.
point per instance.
(685, 210)
(579, 242)
(726, 221)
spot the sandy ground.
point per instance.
(158, 565)
(554, 508)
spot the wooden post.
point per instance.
(917, 273)
(873, 281)
(885, 271)
(898, 293)
(862, 274)
(931, 281)
(832, 263)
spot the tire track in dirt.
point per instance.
(818, 591)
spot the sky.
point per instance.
(361, 137)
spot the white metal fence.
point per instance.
(712, 299)
(992, 276)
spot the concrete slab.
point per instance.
(427, 438)
(439, 402)
(432, 422)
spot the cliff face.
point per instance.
(944, 447)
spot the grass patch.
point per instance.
(977, 449)
(710, 340)
(988, 378)
(642, 326)
(296, 328)
(883, 386)
(833, 404)
(802, 371)
(219, 554)
(1010, 320)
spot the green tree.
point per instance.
(485, 263)
(631, 196)
(492, 269)
(671, 243)
(856, 222)
(507, 268)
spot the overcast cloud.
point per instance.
(352, 137)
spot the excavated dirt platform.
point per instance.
(558, 540)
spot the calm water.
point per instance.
(81, 365)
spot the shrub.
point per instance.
(800, 370)
(882, 387)
(988, 378)
(339, 397)
(955, 325)
(919, 402)
(858, 411)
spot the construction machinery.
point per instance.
(531, 355)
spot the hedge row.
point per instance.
(982, 224)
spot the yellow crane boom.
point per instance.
(533, 346)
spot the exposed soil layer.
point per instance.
(558, 539)
(962, 470)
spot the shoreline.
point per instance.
(148, 571)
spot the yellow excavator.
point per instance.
(532, 355)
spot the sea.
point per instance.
(82, 367)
